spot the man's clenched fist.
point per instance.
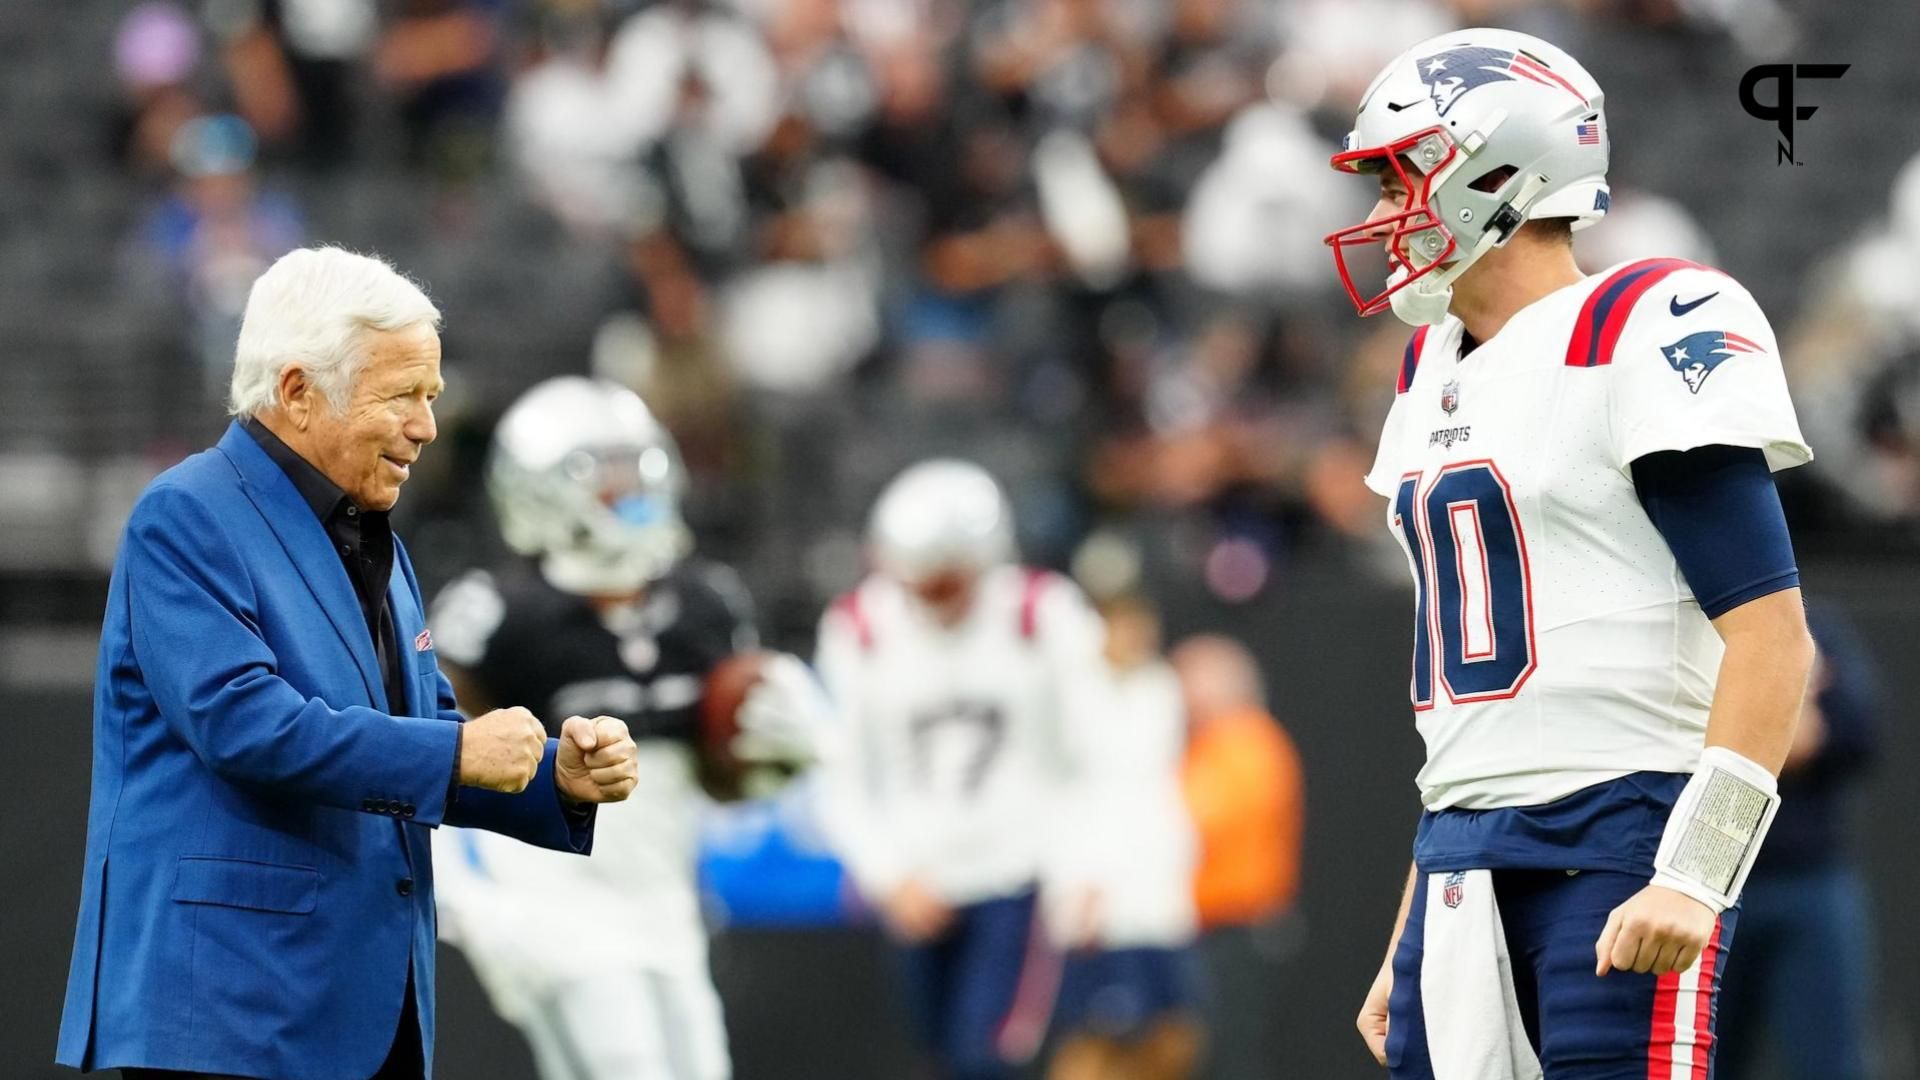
(1658, 930)
(596, 762)
(501, 750)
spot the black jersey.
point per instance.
(523, 642)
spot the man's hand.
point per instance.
(1372, 1020)
(914, 913)
(501, 750)
(1657, 930)
(596, 763)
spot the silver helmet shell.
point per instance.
(937, 517)
(1448, 116)
(583, 477)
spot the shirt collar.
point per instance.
(321, 494)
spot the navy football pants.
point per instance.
(1619, 1027)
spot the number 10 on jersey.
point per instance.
(1473, 603)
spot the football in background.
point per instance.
(722, 774)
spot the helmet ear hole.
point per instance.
(1493, 180)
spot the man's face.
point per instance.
(948, 593)
(1393, 200)
(369, 448)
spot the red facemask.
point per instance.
(1415, 220)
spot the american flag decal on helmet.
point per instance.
(1587, 134)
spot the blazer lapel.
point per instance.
(408, 626)
(306, 543)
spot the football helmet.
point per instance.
(1486, 130)
(937, 517)
(583, 477)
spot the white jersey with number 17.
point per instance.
(1556, 644)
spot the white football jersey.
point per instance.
(958, 745)
(1556, 644)
(1137, 846)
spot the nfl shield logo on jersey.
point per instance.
(1450, 397)
(1455, 886)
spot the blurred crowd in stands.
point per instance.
(1077, 239)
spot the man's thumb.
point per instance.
(580, 730)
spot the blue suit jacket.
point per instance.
(257, 876)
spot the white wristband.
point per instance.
(1716, 828)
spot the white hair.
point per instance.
(313, 308)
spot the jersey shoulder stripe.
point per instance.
(849, 606)
(1410, 361)
(1031, 589)
(1596, 330)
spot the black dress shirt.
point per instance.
(364, 541)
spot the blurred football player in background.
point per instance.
(1610, 647)
(964, 686)
(609, 612)
(1127, 1003)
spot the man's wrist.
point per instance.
(453, 781)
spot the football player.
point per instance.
(1609, 647)
(965, 685)
(1127, 1002)
(608, 611)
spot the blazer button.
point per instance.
(404, 886)
(406, 810)
(367, 805)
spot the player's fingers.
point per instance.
(1689, 956)
(1626, 947)
(1603, 948)
(1666, 957)
(1373, 1029)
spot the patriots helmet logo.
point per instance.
(1696, 355)
(1450, 74)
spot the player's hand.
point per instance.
(1656, 931)
(501, 750)
(914, 913)
(1372, 1020)
(783, 715)
(596, 760)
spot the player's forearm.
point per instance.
(1406, 905)
(1763, 678)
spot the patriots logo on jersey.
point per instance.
(1696, 355)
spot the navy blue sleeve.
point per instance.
(1719, 512)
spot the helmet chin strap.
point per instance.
(1427, 301)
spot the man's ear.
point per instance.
(297, 396)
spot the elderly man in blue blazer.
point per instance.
(272, 736)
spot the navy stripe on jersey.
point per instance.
(1614, 825)
(1410, 360)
